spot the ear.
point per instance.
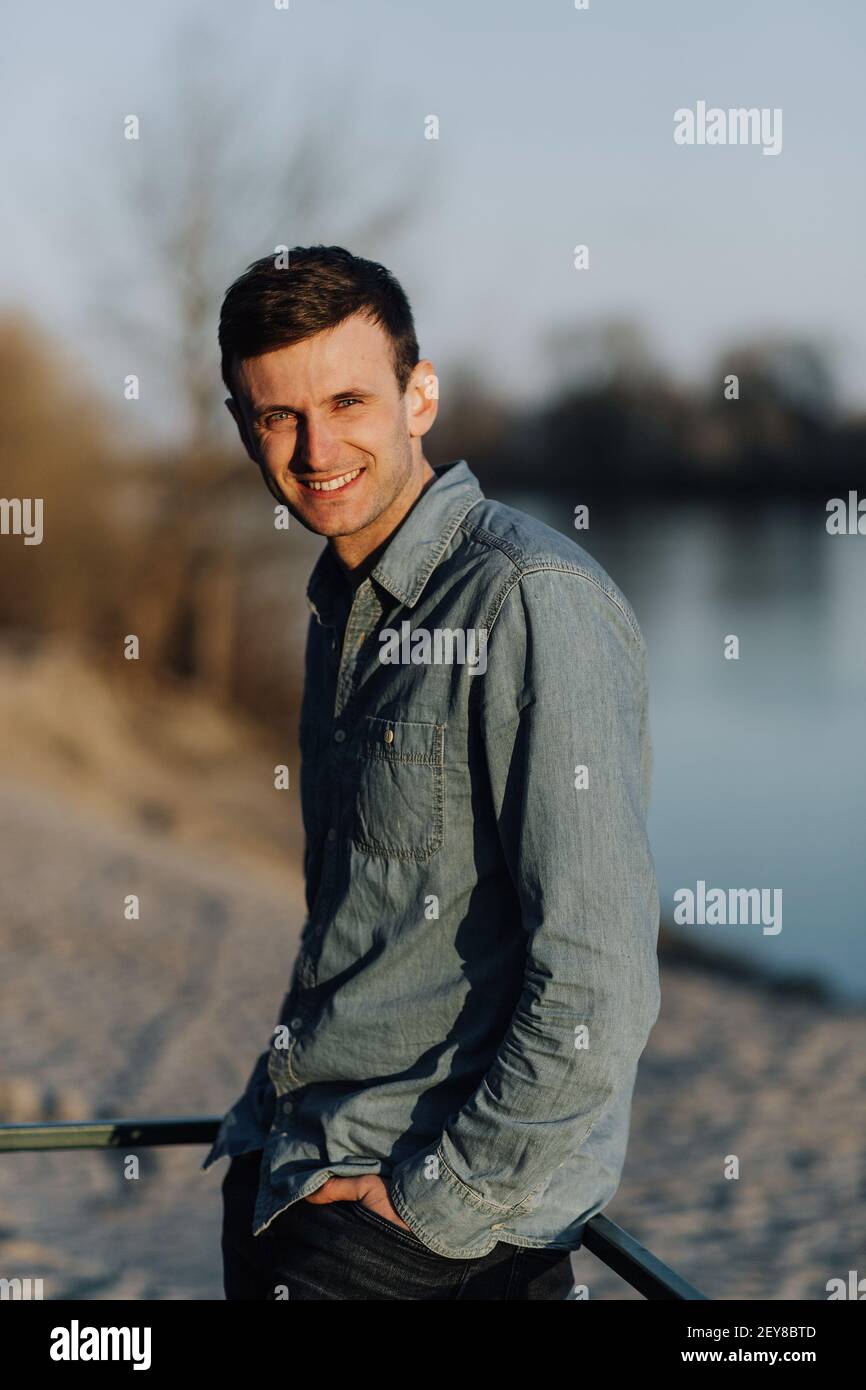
(422, 398)
(238, 418)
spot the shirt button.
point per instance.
(497, 1225)
(332, 835)
(287, 1107)
(339, 735)
(297, 1023)
(389, 735)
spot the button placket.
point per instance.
(364, 615)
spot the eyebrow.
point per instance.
(360, 391)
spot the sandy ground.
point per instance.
(165, 1015)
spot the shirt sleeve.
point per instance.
(246, 1125)
(564, 721)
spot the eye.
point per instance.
(277, 415)
(349, 400)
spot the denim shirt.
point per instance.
(477, 974)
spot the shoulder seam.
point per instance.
(553, 566)
(579, 573)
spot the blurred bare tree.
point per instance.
(54, 447)
(215, 181)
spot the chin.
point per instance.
(333, 526)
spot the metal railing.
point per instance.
(649, 1275)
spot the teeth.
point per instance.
(333, 483)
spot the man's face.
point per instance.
(325, 421)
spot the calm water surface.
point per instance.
(760, 763)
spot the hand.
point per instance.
(369, 1190)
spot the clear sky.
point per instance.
(556, 128)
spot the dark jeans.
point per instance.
(342, 1250)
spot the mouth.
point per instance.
(329, 487)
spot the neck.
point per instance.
(358, 554)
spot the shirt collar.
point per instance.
(413, 551)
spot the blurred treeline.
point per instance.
(178, 546)
(612, 427)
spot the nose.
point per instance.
(319, 446)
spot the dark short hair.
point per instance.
(268, 308)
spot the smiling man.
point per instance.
(445, 1099)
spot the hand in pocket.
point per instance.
(370, 1190)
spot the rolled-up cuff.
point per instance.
(443, 1212)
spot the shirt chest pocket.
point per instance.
(399, 810)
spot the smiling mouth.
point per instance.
(331, 484)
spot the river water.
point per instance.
(760, 762)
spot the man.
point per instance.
(446, 1099)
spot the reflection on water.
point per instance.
(760, 763)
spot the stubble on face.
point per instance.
(322, 410)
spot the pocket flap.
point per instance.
(402, 741)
